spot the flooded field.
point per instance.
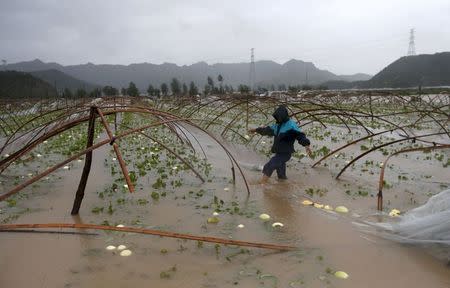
(170, 197)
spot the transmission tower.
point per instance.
(412, 45)
(252, 69)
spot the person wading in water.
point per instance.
(284, 133)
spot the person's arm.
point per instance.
(302, 140)
(266, 131)
(295, 133)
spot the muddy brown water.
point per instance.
(327, 241)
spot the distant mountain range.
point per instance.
(293, 72)
(411, 71)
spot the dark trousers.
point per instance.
(277, 162)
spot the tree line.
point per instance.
(17, 85)
(177, 88)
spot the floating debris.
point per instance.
(213, 220)
(66, 167)
(174, 168)
(114, 159)
(341, 209)
(226, 189)
(277, 224)
(6, 155)
(45, 142)
(394, 213)
(38, 155)
(240, 226)
(317, 205)
(270, 276)
(264, 217)
(247, 137)
(263, 142)
(30, 174)
(125, 185)
(341, 274)
(125, 253)
(120, 226)
(215, 213)
(121, 247)
(79, 160)
(328, 207)
(307, 202)
(110, 247)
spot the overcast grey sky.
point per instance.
(345, 36)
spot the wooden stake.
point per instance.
(234, 174)
(87, 164)
(115, 116)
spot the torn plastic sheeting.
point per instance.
(429, 223)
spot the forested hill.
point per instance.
(16, 85)
(412, 71)
(62, 81)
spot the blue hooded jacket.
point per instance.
(285, 132)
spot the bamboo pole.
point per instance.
(73, 123)
(383, 168)
(123, 166)
(115, 116)
(68, 160)
(148, 232)
(383, 145)
(87, 164)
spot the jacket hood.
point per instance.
(281, 114)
